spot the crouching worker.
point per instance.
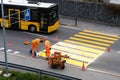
(35, 45)
(47, 46)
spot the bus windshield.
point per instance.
(53, 16)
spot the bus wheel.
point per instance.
(32, 28)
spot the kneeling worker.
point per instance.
(35, 44)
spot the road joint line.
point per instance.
(108, 73)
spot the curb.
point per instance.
(104, 72)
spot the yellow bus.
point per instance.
(43, 16)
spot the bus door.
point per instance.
(44, 22)
(14, 18)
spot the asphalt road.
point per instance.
(17, 38)
(108, 62)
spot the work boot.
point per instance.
(47, 58)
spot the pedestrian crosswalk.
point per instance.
(85, 46)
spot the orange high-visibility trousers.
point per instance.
(47, 48)
(47, 52)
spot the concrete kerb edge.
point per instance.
(68, 25)
(104, 72)
(71, 26)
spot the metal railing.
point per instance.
(40, 72)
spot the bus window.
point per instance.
(14, 18)
(34, 15)
(44, 22)
(53, 16)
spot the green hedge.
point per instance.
(20, 75)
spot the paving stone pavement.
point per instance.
(96, 26)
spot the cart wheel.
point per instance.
(53, 66)
(63, 61)
(63, 67)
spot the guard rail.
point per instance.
(39, 71)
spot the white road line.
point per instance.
(9, 50)
(16, 52)
(2, 48)
(105, 72)
(118, 51)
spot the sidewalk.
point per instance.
(96, 26)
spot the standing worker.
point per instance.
(47, 46)
(35, 44)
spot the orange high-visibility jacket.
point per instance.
(35, 44)
(47, 44)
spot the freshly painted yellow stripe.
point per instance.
(80, 47)
(77, 63)
(76, 57)
(95, 39)
(100, 33)
(89, 41)
(82, 53)
(42, 54)
(64, 53)
(79, 58)
(70, 61)
(84, 44)
(97, 36)
(72, 51)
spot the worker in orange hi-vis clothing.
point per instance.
(35, 44)
(47, 46)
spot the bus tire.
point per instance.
(32, 28)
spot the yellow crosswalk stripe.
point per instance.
(70, 61)
(82, 53)
(99, 41)
(85, 44)
(77, 57)
(77, 63)
(100, 33)
(97, 36)
(42, 54)
(79, 47)
(70, 51)
(90, 42)
(87, 54)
